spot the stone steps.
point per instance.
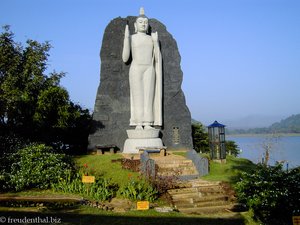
(172, 161)
(198, 198)
(174, 165)
(182, 190)
(201, 197)
(183, 196)
(203, 191)
(181, 168)
(200, 204)
(188, 177)
(206, 188)
(194, 196)
(199, 183)
(177, 172)
(177, 167)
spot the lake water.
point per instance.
(285, 148)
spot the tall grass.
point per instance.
(102, 189)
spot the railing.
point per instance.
(201, 163)
(147, 165)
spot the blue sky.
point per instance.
(239, 57)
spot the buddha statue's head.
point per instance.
(141, 24)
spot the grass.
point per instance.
(103, 165)
(229, 171)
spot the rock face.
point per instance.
(112, 107)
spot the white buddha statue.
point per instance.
(145, 75)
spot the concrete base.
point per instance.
(142, 139)
(143, 134)
(133, 145)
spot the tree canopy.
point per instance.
(34, 106)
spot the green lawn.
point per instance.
(103, 165)
(230, 170)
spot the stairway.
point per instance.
(180, 167)
(202, 197)
(194, 195)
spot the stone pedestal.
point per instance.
(142, 139)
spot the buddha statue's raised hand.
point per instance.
(127, 35)
(126, 45)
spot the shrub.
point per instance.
(35, 166)
(272, 194)
(139, 191)
(164, 183)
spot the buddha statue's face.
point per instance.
(142, 24)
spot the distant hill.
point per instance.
(252, 121)
(288, 125)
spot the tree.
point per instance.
(200, 138)
(33, 105)
(269, 145)
(232, 148)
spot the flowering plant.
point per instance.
(87, 171)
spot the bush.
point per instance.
(35, 166)
(139, 191)
(164, 183)
(272, 194)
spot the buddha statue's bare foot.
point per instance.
(139, 127)
(148, 127)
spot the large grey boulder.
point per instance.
(112, 108)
